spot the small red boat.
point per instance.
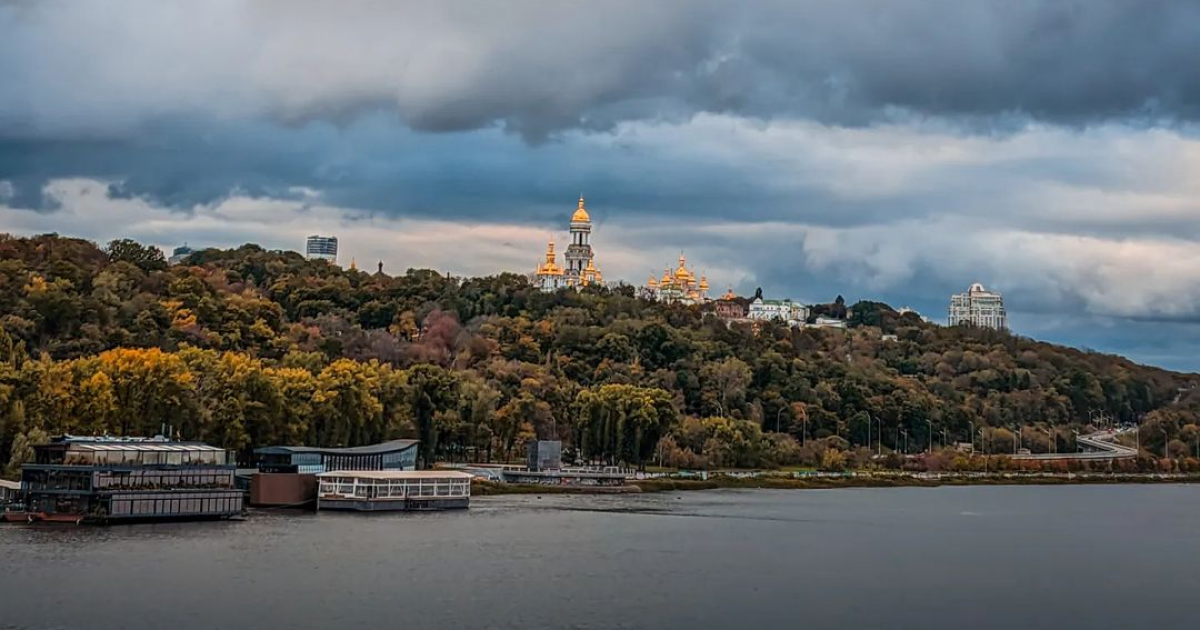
(17, 517)
(42, 517)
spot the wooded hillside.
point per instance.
(247, 347)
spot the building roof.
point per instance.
(146, 447)
(399, 474)
(106, 443)
(10, 485)
(371, 449)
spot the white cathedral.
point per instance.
(580, 270)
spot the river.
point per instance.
(928, 558)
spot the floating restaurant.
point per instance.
(106, 479)
(393, 490)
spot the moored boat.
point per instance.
(393, 490)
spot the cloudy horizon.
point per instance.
(878, 150)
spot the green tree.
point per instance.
(145, 257)
(431, 390)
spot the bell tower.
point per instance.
(579, 252)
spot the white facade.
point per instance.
(978, 307)
(788, 311)
(321, 247)
(829, 322)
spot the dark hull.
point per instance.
(87, 519)
(407, 505)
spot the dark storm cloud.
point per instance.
(874, 148)
(541, 67)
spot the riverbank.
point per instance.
(485, 488)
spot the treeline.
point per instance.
(247, 347)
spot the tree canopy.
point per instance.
(247, 347)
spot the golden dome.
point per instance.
(581, 214)
(550, 268)
(652, 282)
(666, 279)
(682, 272)
(729, 295)
(703, 283)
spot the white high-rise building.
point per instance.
(322, 247)
(978, 307)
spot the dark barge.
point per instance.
(110, 480)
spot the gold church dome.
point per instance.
(682, 272)
(550, 268)
(581, 214)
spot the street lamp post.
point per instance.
(944, 440)
(777, 414)
(905, 432)
(930, 423)
(983, 445)
(1052, 444)
(972, 435)
(1166, 442)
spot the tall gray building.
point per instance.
(978, 307)
(322, 247)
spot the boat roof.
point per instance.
(398, 474)
(371, 449)
(143, 446)
(117, 443)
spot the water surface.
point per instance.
(928, 558)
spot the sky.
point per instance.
(892, 151)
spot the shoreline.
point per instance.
(485, 488)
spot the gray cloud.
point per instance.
(877, 149)
(541, 67)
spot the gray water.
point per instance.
(983, 557)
